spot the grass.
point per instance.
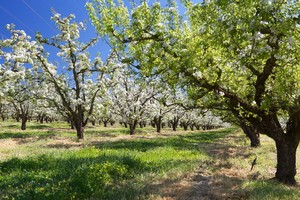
(47, 162)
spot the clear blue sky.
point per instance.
(34, 15)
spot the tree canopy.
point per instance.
(242, 53)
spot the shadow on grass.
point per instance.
(189, 141)
(24, 135)
(39, 126)
(106, 132)
(105, 176)
(112, 170)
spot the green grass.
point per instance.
(47, 162)
(122, 169)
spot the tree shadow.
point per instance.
(96, 174)
(102, 176)
(27, 135)
(38, 126)
(190, 141)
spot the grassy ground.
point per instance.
(47, 162)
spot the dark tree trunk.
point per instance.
(252, 133)
(41, 119)
(79, 130)
(132, 127)
(3, 118)
(125, 125)
(185, 127)
(17, 118)
(23, 125)
(93, 122)
(158, 123)
(105, 123)
(153, 123)
(112, 122)
(141, 124)
(286, 160)
(192, 127)
(175, 123)
(72, 124)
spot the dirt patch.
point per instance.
(8, 143)
(223, 183)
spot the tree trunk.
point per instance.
(185, 126)
(158, 124)
(175, 123)
(252, 133)
(42, 119)
(141, 124)
(72, 124)
(286, 160)
(191, 127)
(105, 123)
(79, 130)
(112, 122)
(17, 118)
(23, 125)
(132, 127)
(93, 122)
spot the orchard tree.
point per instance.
(83, 78)
(21, 99)
(162, 104)
(245, 52)
(131, 96)
(4, 110)
(17, 81)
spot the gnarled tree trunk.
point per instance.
(252, 133)
(158, 122)
(132, 127)
(286, 160)
(23, 124)
(79, 130)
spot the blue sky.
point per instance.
(34, 15)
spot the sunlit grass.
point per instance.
(42, 166)
(46, 161)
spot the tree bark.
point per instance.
(105, 123)
(252, 133)
(286, 160)
(132, 127)
(141, 124)
(192, 127)
(79, 130)
(72, 124)
(158, 124)
(17, 118)
(23, 125)
(175, 123)
(185, 127)
(42, 119)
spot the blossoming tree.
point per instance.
(244, 52)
